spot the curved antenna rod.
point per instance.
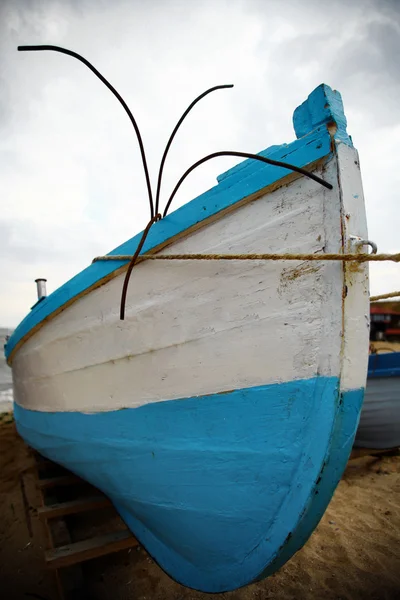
(179, 123)
(269, 161)
(132, 264)
(116, 94)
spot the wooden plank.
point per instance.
(60, 481)
(62, 509)
(70, 581)
(95, 547)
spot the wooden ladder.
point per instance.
(64, 555)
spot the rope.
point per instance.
(384, 296)
(360, 258)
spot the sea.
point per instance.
(6, 390)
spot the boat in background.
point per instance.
(379, 427)
(219, 416)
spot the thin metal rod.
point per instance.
(132, 264)
(179, 123)
(269, 161)
(116, 94)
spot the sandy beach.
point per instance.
(354, 552)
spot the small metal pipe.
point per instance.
(41, 288)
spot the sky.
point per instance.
(71, 180)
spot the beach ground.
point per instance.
(354, 552)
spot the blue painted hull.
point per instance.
(221, 489)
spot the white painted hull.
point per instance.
(194, 328)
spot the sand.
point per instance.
(354, 552)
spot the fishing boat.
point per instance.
(219, 414)
(379, 427)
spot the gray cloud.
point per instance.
(372, 62)
(376, 54)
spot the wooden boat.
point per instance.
(379, 426)
(219, 415)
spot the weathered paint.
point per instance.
(195, 328)
(323, 105)
(355, 327)
(314, 316)
(245, 379)
(211, 486)
(253, 178)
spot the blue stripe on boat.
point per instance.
(220, 489)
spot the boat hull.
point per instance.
(379, 426)
(219, 415)
(210, 483)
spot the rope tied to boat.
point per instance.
(360, 258)
(385, 296)
(357, 258)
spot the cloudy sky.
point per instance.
(71, 182)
